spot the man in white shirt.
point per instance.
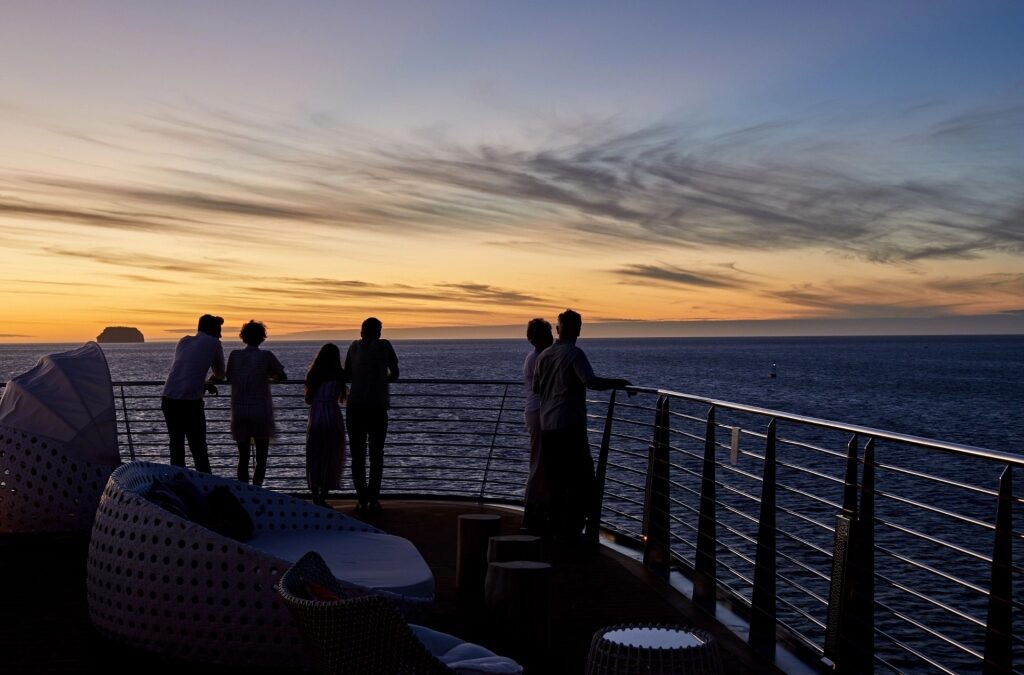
(538, 332)
(182, 402)
(562, 376)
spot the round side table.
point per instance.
(652, 649)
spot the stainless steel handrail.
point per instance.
(955, 448)
(947, 502)
(923, 520)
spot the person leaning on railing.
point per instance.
(370, 365)
(561, 377)
(250, 371)
(182, 401)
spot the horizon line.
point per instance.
(978, 325)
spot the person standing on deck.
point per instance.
(538, 332)
(182, 401)
(370, 365)
(325, 431)
(562, 376)
(250, 371)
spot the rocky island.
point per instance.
(120, 334)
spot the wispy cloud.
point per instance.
(107, 219)
(488, 293)
(986, 283)
(55, 284)
(922, 297)
(144, 279)
(849, 302)
(985, 121)
(671, 274)
(771, 186)
(347, 290)
(202, 266)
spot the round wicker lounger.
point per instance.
(165, 584)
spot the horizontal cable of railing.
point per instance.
(920, 511)
(930, 519)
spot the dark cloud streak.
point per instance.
(675, 275)
(340, 289)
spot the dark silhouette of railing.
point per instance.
(866, 549)
(859, 548)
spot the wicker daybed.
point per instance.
(160, 582)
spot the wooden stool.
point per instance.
(513, 547)
(517, 597)
(475, 529)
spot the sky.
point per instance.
(476, 164)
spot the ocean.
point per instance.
(966, 390)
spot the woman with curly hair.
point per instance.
(250, 371)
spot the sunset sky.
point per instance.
(480, 163)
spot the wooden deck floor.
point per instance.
(44, 625)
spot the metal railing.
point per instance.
(867, 549)
(863, 549)
(446, 438)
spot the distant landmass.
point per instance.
(1009, 323)
(120, 334)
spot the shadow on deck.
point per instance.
(44, 624)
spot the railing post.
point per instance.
(594, 520)
(839, 588)
(763, 600)
(494, 437)
(999, 627)
(657, 551)
(127, 424)
(705, 573)
(863, 568)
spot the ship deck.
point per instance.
(44, 626)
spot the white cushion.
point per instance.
(464, 658)
(436, 642)
(372, 559)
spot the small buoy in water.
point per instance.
(772, 373)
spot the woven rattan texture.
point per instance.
(42, 489)
(167, 585)
(363, 633)
(608, 658)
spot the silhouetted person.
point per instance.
(370, 365)
(250, 371)
(182, 402)
(562, 376)
(538, 332)
(325, 432)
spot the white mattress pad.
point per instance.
(379, 561)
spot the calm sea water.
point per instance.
(962, 389)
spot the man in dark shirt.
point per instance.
(562, 376)
(370, 365)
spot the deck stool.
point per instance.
(517, 597)
(475, 529)
(513, 547)
(652, 648)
